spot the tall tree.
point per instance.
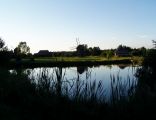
(154, 43)
(96, 51)
(123, 47)
(2, 45)
(5, 54)
(22, 48)
(82, 50)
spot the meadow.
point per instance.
(73, 61)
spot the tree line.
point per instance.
(23, 51)
(83, 50)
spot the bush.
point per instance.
(5, 56)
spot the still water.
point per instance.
(86, 81)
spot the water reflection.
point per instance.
(80, 82)
(122, 66)
(75, 81)
(42, 89)
(59, 78)
(81, 69)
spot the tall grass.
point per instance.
(50, 94)
(76, 89)
(86, 89)
(122, 90)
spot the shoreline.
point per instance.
(69, 62)
(34, 64)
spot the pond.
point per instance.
(85, 90)
(99, 81)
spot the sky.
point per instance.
(54, 25)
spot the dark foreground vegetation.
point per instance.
(22, 97)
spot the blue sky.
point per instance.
(55, 24)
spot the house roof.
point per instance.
(122, 52)
(43, 51)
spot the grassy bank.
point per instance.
(74, 61)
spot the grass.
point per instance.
(74, 61)
(77, 59)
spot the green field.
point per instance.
(74, 61)
(79, 59)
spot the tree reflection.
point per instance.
(81, 69)
(122, 66)
(59, 79)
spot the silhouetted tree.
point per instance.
(147, 73)
(2, 43)
(82, 50)
(154, 43)
(139, 52)
(96, 51)
(143, 51)
(5, 55)
(123, 47)
(17, 51)
(90, 50)
(22, 48)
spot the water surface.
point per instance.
(85, 80)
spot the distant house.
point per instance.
(122, 52)
(43, 53)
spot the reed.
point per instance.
(50, 92)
